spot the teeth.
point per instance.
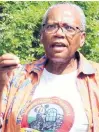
(58, 45)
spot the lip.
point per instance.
(58, 44)
(58, 47)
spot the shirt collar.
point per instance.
(84, 65)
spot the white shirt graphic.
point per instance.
(64, 87)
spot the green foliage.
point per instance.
(20, 24)
(91, 47)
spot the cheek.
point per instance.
(74, 45)
(76, 42)
(46, 40)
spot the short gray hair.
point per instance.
(78, 8)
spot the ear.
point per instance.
(82, 39)
(41, 37)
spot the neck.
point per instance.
(62, 68)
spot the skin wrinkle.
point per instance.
(78, 10)
(66, 16)
(71, 63)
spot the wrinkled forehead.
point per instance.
(65, 14)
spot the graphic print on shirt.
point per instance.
(48, 115)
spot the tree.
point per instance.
(20, 24)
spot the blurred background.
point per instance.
(20, 23)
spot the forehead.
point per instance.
(64, 13)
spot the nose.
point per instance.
(60, 32)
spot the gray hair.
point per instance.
(79, 9)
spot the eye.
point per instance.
(69, 28)
(50, 26)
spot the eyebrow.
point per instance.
(60, 22)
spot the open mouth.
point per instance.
(58, 45)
